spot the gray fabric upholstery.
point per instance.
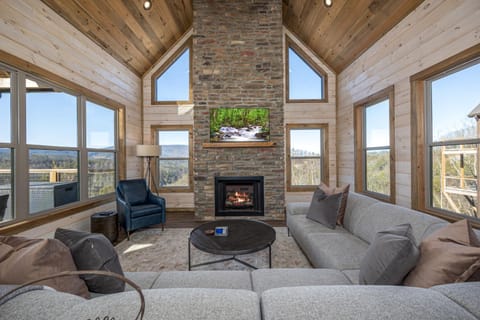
(464, 294)
(352, 275)
(358, 302)
(390, 257)
(264, 279)
(39, 305)
(144, 279)
(204, 279)
(380, 216)
(172, 304)
(335, 250)
(294, 208)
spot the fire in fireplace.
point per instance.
(237, 196)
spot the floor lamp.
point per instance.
(149, 151)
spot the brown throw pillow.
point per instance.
(23, 260)
(343, 205)
(448, 255)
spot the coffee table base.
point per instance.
(190, 265)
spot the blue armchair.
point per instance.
(137, 206)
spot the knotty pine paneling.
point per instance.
(433, 32)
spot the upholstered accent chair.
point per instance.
(137, 206)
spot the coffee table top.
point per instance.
(244, 236)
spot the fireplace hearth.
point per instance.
(239, 196)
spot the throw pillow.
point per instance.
(23, 260)
(93, 251)
(450, 254)
(344, 190)
(324, 208)
(389, 258)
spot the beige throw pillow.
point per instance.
(451, 254)
(23, 260)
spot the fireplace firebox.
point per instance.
(239, 196)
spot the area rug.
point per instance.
(156, 250)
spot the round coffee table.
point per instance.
(244, 236)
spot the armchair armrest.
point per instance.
(152, 198)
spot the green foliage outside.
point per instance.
(378, 171)
(306, 172)
(174, 173)
(238, 118)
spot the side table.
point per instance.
(105, 223)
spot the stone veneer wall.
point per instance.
(238, 62)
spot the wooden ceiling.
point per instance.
(138, 38)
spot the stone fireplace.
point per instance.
(238, 62)
(239, 196)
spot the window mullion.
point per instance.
(82, 147)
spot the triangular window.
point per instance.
(306, 82)
(172, 82)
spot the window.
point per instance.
(6, 152)
(448, 102)
(175, 161)
(56, 146)
(306, 82)
(172, 83)
(307, 160)
(101, 146)
(374, 152)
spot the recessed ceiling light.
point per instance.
(328, 3)
(147, 4)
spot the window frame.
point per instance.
(165, 66)
(156, 167)
(420, 165)
(360, 144)
(290, 44)
(323, 127)
(22, 70)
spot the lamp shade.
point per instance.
(148, 150)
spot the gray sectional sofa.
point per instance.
(328, 291)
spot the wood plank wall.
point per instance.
(316, 113)
(154, 115)
(33, 32)
(436, 30)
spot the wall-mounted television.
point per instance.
(239, 124)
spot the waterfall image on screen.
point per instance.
(239, 124)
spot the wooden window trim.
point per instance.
(325, 157)
(188, 128)
(21, 224)
(359, 126)
(165, 66)
(306, 58)
(418, 126)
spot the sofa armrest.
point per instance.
(295, 208)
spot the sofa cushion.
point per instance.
(23, 260)
(232, 279)
(371, 216)
(39, 305)
(359, 302)
(450, 254)
(172, 304)
(265, 279)
(389, 258)
(343, 205)
(464, 294)
(335, 250)
(93, 251)
(324, 208)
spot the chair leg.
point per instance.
(128, 235)
(163, 226)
